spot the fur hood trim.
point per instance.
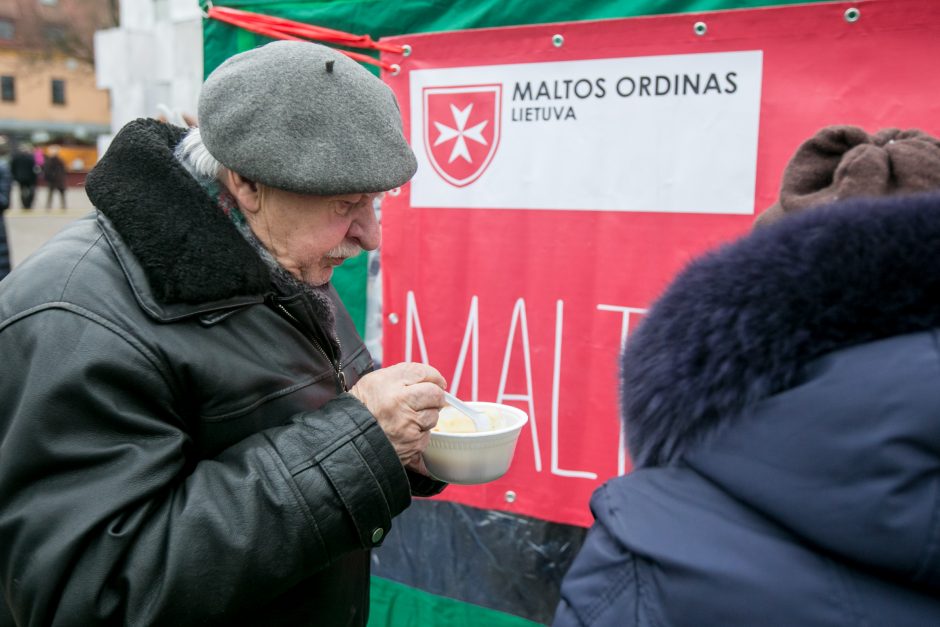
(741, 323)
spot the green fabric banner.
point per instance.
(380, 18)
(397, 604)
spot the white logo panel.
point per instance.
(675, 133)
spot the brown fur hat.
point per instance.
(845, 161)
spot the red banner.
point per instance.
(568, 171)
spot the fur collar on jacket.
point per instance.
(740, 324)
(188, 248)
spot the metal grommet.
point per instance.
(377, 534)
(510, 496)
(393, 318)
(558, 41)
(700, 28)
(852, 14)
(405, 50)
(395, 70)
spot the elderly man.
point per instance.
(190, 431)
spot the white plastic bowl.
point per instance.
(470, 458)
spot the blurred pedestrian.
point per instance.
(25, 173)
(781, 405)
(53, 171)
(191, 429)
(5, 184)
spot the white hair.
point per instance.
(195, 157)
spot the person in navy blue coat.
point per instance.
(782, 407)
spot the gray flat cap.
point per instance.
(305, 118)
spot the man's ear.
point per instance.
(245, 191)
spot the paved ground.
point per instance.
(28, 230)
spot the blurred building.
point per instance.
(47, 78)
(152, 62)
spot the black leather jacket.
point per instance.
(174, 447)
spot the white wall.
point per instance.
(152, 63)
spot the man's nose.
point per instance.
(365, 228)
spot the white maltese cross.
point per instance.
(460, 133)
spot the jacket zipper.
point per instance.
(337, 366)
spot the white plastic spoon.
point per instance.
(480, 420)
